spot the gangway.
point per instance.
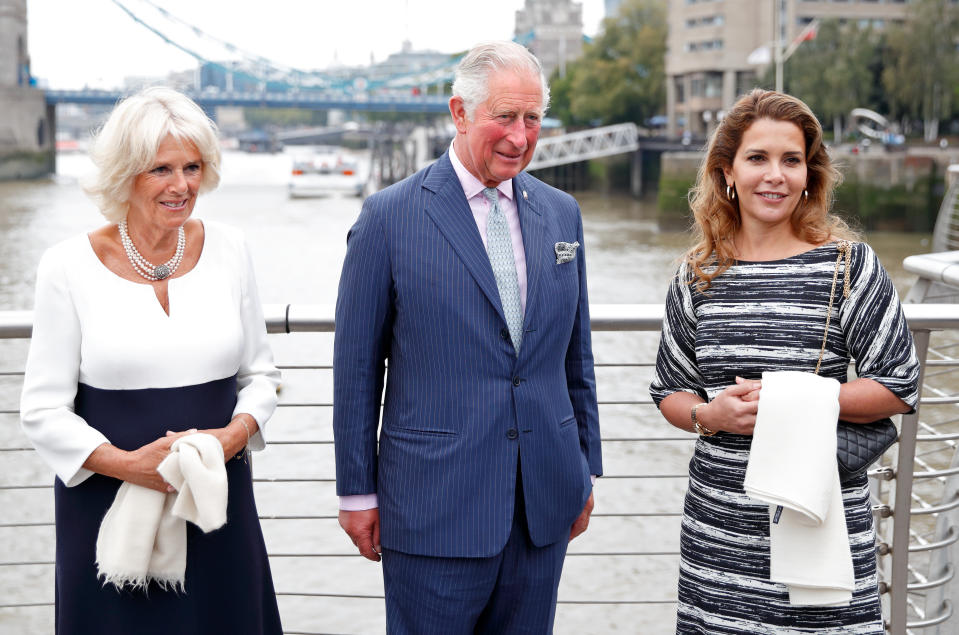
(582, 145)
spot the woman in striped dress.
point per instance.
(751, 296)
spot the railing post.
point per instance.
(905, 461)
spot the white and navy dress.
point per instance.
(108, 365)
(770, 316)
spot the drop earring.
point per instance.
(731, 192)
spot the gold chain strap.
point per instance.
(845, 248)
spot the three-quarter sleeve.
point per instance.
(676, 368)
(257, 377)
(876, 332)
(62, 439)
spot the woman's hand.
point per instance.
(734, 409)
(136, 466)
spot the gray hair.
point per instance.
(471, 82)
(128, 142)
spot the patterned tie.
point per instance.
(499, 246)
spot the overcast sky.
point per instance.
(95, 43)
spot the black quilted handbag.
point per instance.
(858, 445)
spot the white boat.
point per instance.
(327, 170)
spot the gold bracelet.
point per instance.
(700, 428)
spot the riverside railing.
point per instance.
(624, 568)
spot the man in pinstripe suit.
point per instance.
(469, 277)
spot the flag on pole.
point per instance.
(808, 33)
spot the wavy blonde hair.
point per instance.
(717, 219)
(128, 142)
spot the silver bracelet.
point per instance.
(247, 428)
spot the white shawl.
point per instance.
(143, 535)
(792, 466)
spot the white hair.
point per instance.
(471, 82)
(128, 143)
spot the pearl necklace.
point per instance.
(144, 267)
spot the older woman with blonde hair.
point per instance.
(146, 330)
(753, 296)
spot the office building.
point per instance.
(710, 43)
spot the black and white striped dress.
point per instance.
(760, 316)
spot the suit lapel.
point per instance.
(451, 213)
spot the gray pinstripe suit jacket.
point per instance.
(460, 408)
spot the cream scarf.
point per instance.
(143, 535)
(792, 466)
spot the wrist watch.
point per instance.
(700, 428)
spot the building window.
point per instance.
(696, 87)
(714, 85)
(706, 20)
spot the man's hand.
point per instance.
(582, 522)
(363, 528)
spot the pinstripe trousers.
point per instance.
(513, 592)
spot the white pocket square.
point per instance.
(565, 252)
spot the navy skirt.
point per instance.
(229, 588)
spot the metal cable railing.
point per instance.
(909, 504)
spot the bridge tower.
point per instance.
(26, 122)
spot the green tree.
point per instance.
(621, 75)
(835, 72)
(922, 68)
(561, 94)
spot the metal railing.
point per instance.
(915, 491)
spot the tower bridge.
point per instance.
(306, 99)
(27, 127)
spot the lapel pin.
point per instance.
(525, 197)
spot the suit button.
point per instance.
(504, 334)
(511, 434)
(516, 381)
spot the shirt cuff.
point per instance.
(592, 478)
(358, 502)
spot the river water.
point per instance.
(298, 247)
